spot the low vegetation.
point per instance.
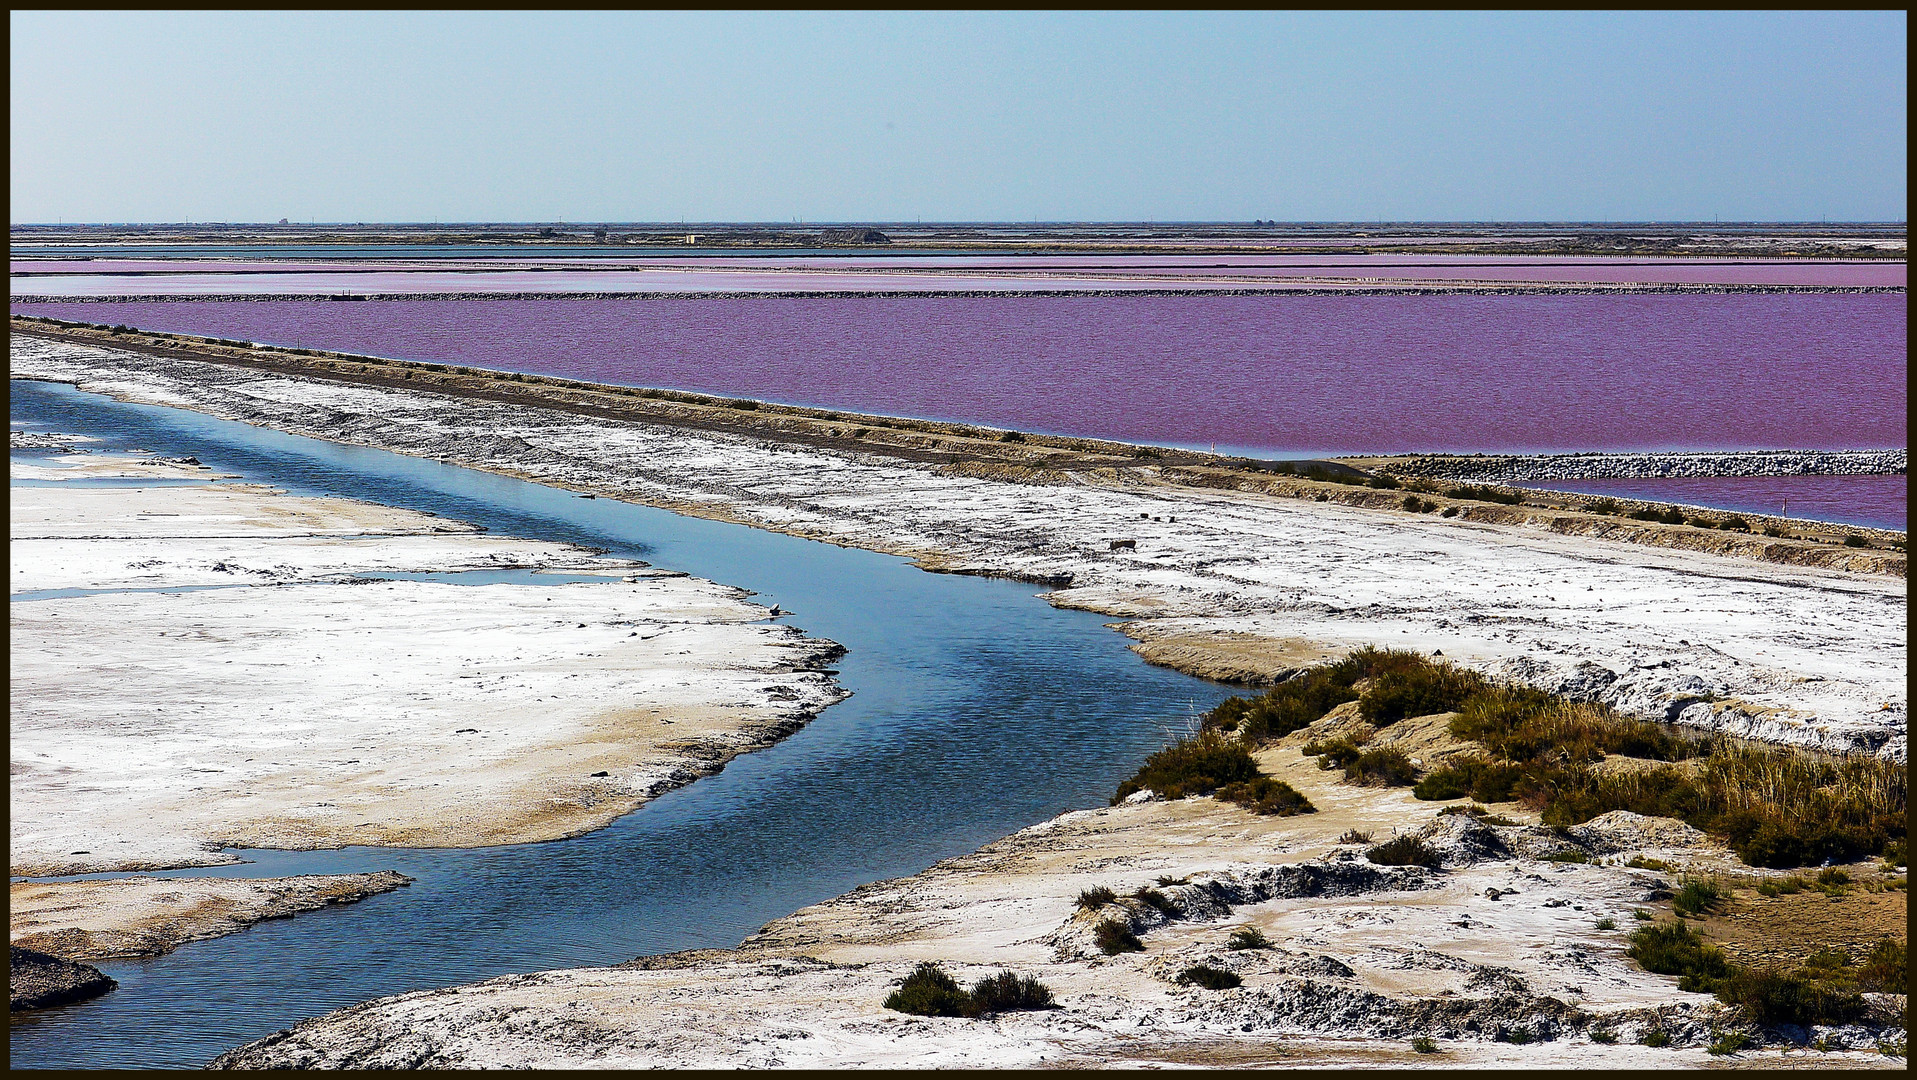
(1424, 1044)
(1210, 978)
(1114, 937)
(929, 991)
(1249, 937)
(1096, 897)
(1697, 896)
(1825, 989)
(1479, 493)
(1405, 851)
(1211, 763)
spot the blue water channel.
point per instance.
(977, 710)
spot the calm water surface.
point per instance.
(1297, 376)
(977, 710)
(1879, 501)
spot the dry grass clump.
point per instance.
(1267, 795)
(1405, 851)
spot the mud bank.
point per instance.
(146, 916)
(203, 666)
(1504, 956)
(1805, 655)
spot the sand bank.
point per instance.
(1799, 654)
(287, 700)
(148, 916)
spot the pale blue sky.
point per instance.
(874, 117)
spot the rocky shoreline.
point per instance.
(1518, 468)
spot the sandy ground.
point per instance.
(1801, 655)
(145, 916)
(1366, 958)
(292, 704)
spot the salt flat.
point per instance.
(1791, 654)
(283, 702)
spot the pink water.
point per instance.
(1296, 375)
(966, 273)
(1879, 501)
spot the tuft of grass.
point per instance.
(1639, 862)
(1383, 481)
(1449, 511)
(1267, 795)
(1514, 1036)
(1730, 1042)
(1656, 1037)
(1886, 969)
(1676, 949)
(1607, 923)
(1640, 915)
(1114, 937)
(1096, 897)
(1353, 836)
(1405, 851)
(1697, 896)
(1249, 937)
(1157, 900)
(1210, 978)
(1417, 505)
(1603, 1036)
(929, 991)
(1855, 541)
(1007, 992)
(1482, 813)
(1424, 1044)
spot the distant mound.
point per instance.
(853, 236)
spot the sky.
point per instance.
(855, 117)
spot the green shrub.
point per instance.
(1096, 897)
(1417, 691)
(1157, 900)
(929, 991)
(1423, 1044)
(1006, 992)
(1607, 923)
(1640, 915)
(1675, 949)
(1194, 766)
(1443, 782)
(1479, 493)
(1514, 1036)
(1730, 1042)
(1656, 1037)
(1776, 997)
(1697, 896)
(1249, 937)
(1115, 937)
(1267, 795)
(1404, 851)
(1332, 754)
(1853, 540)
(1603, 1036)
(1639, 862)
(1886, 969)
(1210, 978)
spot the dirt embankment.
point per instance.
(968, 450)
